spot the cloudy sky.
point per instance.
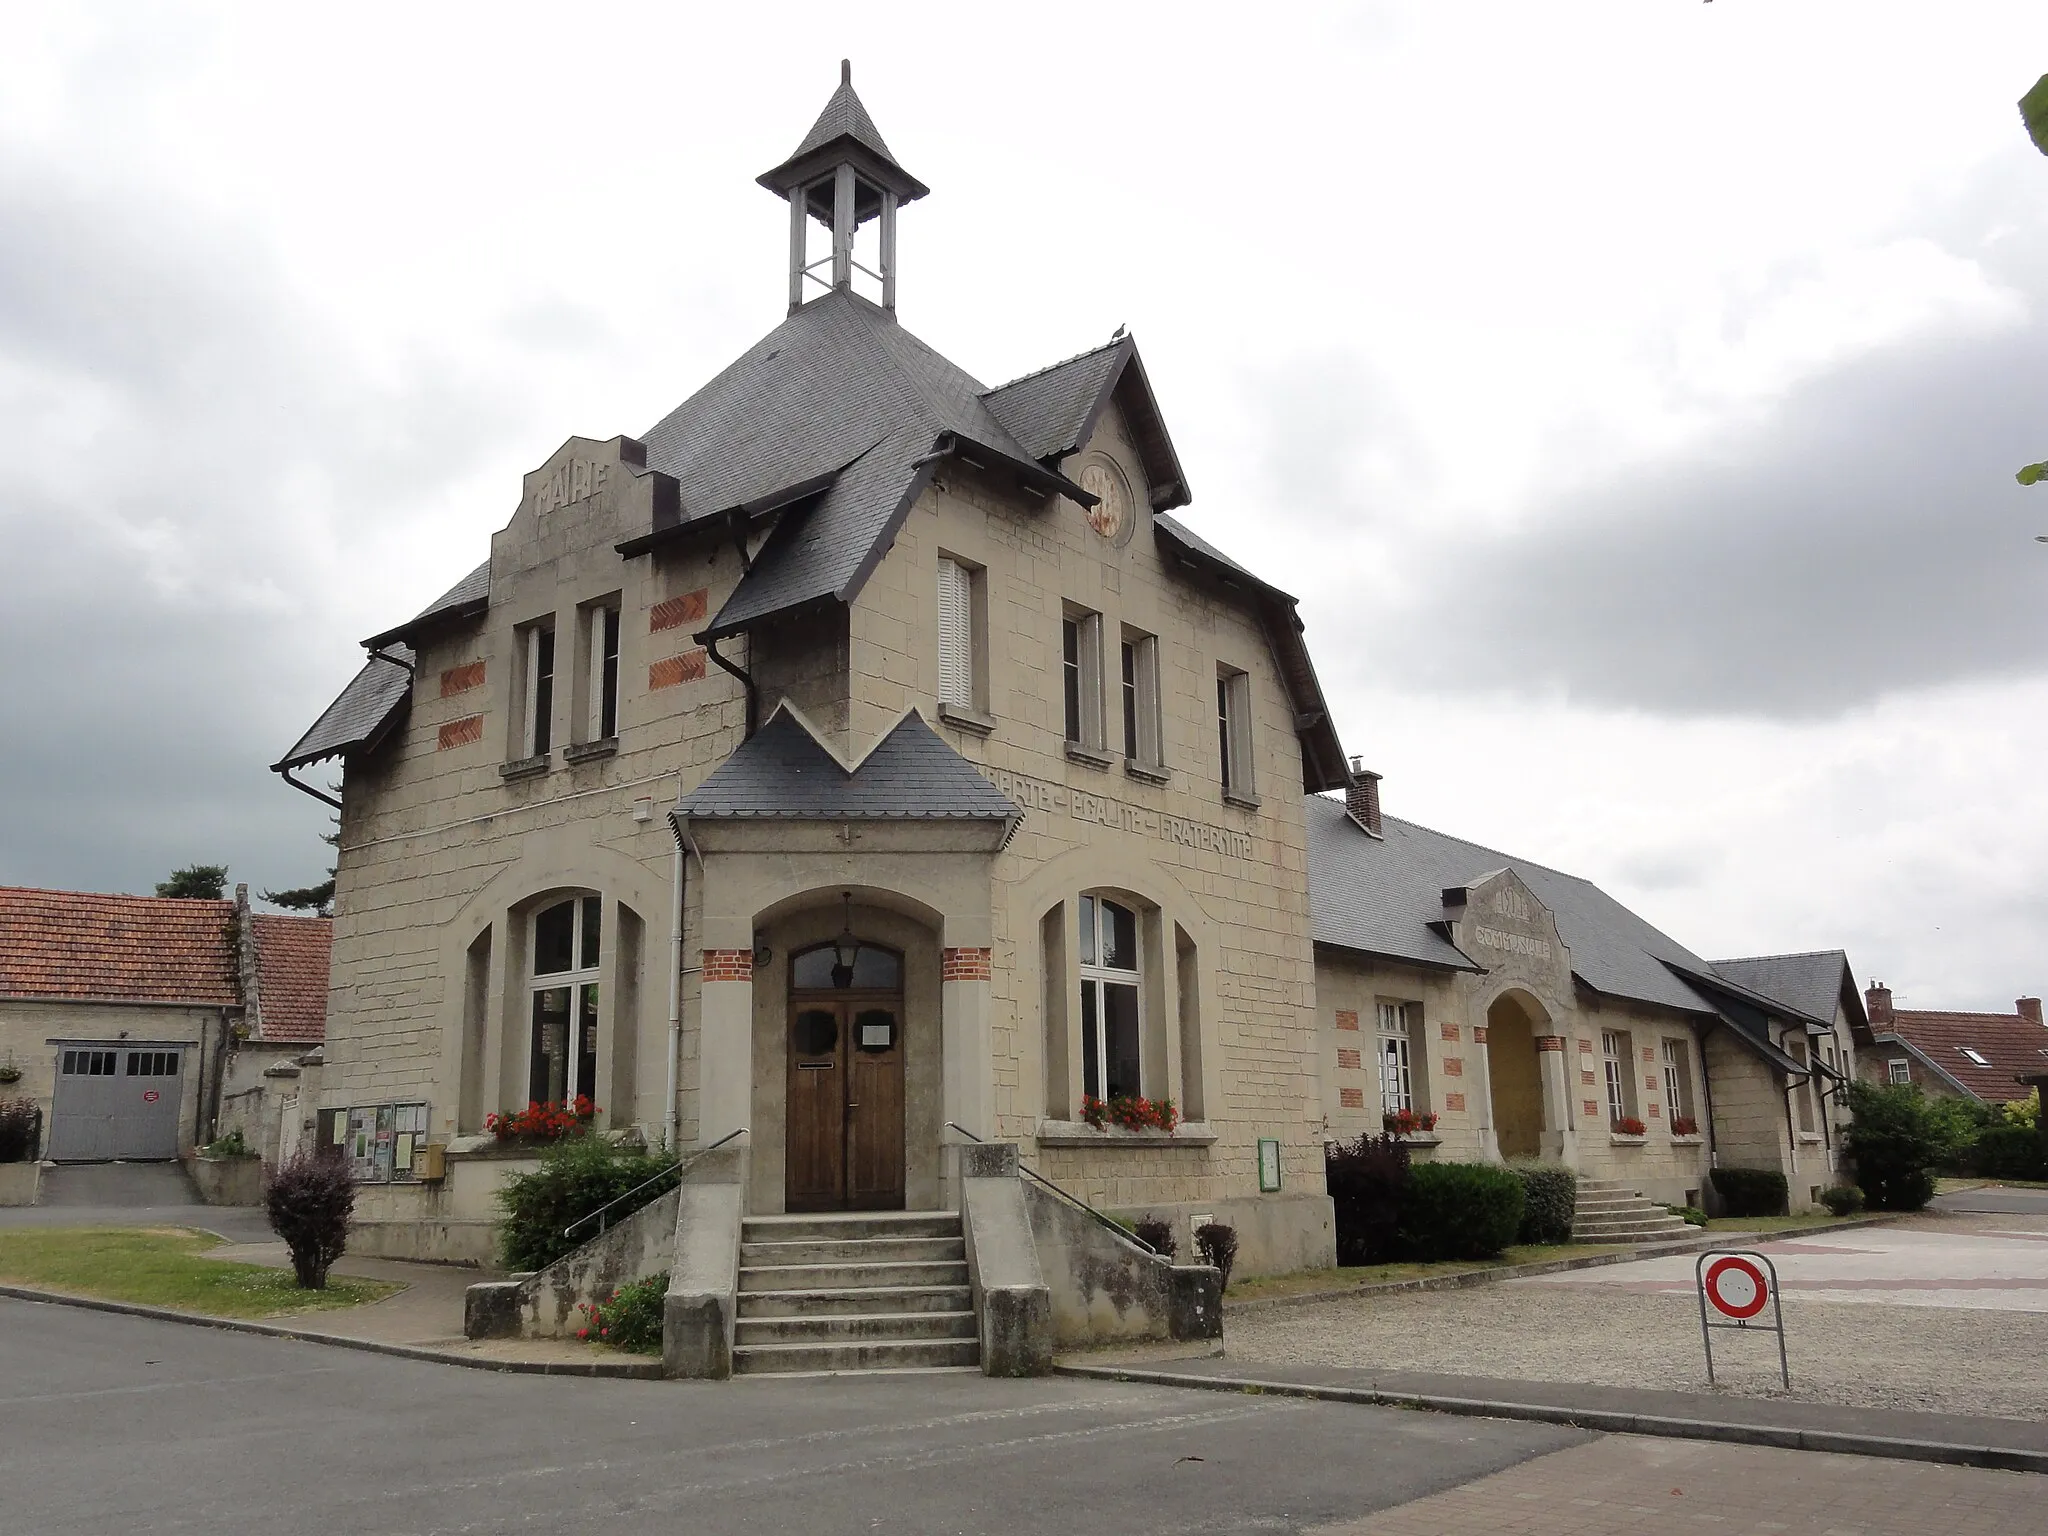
(1631, 391)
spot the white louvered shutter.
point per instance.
(956, 636)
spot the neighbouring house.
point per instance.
(1526, 1013)
(1981, 1056)
(143, 1026)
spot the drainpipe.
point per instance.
(746, 682)
(1707, 1103)
(670, 1124)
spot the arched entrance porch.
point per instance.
(1528, 1096)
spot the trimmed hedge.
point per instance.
(1365, 1179)
(1751, 1191)
(1842, 1199)
(576, 1177)
(2008, 1151)
(1459, 1211)
(1550, 1201)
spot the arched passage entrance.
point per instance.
(1512, 1025)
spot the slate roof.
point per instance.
(292, 955)
(81, 946)
(1811, 983)
(1051, 411)
(2012, 1045)
(1380, 895)
(782, 772)
(374, 700)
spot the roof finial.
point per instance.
(846, 71)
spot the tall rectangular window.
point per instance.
(1081, 677)
(537, 721)
(1898, 1070)
(1615, 1050)
(601, 647)
(956, 635)
(1110, 983)
(1802, 1096)
(1397, 1081)
(1140, 678)
(1677, 1081)
(1234, 731)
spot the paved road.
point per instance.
(131, 1195)
(110, 1423)
(1996, 1202)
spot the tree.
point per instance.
(318, 899)
(1896, 1145)
(196, 882)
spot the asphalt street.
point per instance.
(1996, 1202)
(110, 1423)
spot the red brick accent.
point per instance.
(1585, 1047)
(1649, 1055)
(460, 733)
(1550, 1042)
(1586, 1077)
(1351, 1098)
(1454, 1066)
(1346, 1019)
(463, 678)
(678, 611)
(1349, 1059)
(728, 965)
(965, 965)
(1479, 1034)
(1455, 1103)
(1650, 1081)
(1448, 1031)
(686, 668)
(1651, 1111)
(1592, 1109)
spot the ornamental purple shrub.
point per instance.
(309, 1201)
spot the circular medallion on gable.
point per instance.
(1111, 516)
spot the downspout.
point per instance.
(671, 1124)
(1707, 1100)
(306, 789)
(746, 682)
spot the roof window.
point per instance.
(1975, 1055)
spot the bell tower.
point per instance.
(842, 175)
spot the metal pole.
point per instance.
(1699, 1285)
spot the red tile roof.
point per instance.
(2012, 1045)
(291, 975)
(71, 944)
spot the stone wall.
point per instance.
(28, 1026)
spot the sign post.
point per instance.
(1738, 1286)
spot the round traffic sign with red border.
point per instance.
(1736, 1287)
(150, 1095)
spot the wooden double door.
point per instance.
(845, 1140)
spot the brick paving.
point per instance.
(1622, 1485)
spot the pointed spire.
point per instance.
(844, 131)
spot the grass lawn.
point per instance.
(1345, 1277)
(164, 1267)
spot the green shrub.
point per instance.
(577, 1177)
(629, 1318)
(1897, 1144)
(230, 1145)
(1751, 1191)
(21, 1130)
(1842, 1199)
(1691, 1215)
(2008, 1150)
(1955, 1125)
(1459, 1211)
(1365, 1179)
(1550, 1200)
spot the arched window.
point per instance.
(563, 998)
(1110, 990)
(847, 965)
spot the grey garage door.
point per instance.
(115, 1102)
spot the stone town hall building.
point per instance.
(865, 760)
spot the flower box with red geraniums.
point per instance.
(543, 1122)
(1408, 1122)
(1684, 1125)
(1629, 1125)
(1130, 1111)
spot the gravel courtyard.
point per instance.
(1617, 1331)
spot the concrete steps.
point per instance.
(1608, 1211)
(878, 1291)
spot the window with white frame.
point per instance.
(1081, 677)
(1110, 990)
(1616, 1051)
(1677, 1082)
(1391, 1045)
(537, 709)
(563, 1000)
(1899, 1070)
(1140, 677)
(962, 670)
(601, 656)
(1234, 731)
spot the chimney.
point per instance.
(1877, 999)
(2029, 1009)
(1362, 797)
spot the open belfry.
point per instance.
(862, 784)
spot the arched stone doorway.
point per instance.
(1516, 1079)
